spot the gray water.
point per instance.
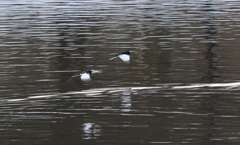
(181, 87)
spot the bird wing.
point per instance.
(125, 58)
(113, 57)
(96, 71)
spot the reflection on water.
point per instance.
(181, 85)
(196, 112)
(211, 42)
(91, 131)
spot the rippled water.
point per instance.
(181, 87)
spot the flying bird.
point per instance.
(86, 75)
(125, 56)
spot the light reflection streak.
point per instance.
(179, 112)
(128, 90)
(231, 85)
(126, 100)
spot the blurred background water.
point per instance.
(181, 86)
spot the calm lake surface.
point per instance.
(181, 87)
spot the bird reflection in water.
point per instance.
(91, 131)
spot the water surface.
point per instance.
(181, 86)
